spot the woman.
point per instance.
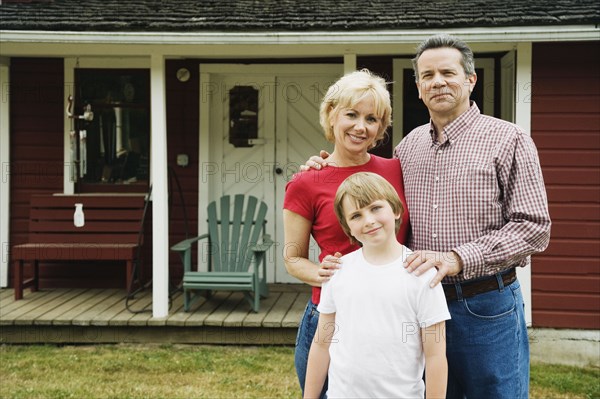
(354, 114)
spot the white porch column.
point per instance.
(349, 63)
(523, 119)
(158, 173)
(5, 168)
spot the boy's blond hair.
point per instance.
(364, 188)
(348, 91)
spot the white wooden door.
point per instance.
(288, 133)
(299, 135)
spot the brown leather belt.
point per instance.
(472, 288)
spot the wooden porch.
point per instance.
(61, 316)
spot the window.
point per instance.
(110, 147)
(243, 115)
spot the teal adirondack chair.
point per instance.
(236, 249)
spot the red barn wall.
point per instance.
(566, 129)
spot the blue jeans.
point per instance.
(306, 333)
(487, 345)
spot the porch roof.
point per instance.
(288, 15)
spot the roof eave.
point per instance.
(476, 34)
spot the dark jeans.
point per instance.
(487, 346)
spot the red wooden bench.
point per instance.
(112, 232)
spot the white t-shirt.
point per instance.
(376, 349)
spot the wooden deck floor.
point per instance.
(100, 316)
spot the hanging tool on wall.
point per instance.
(82, 153)
(78, 139)
(72, 141)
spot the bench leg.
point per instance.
(18, 279)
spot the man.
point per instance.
(478, 206)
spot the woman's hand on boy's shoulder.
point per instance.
(316, 162)
(328, 266)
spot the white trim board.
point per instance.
(236, 45)
(479, 34)
(523, 119)
(5, 170)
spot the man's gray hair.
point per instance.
(444, 40)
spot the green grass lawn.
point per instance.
(185, 371)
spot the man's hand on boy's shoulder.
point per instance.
(446, 263)
(316, 162)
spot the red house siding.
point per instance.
(566, 128)
(36, 136)
(182, 138)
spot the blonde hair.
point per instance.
(364, 188)
(348, 91)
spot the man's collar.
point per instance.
(455, 128)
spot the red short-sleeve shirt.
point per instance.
(311, 193)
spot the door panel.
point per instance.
(299, 135)
(245, 170)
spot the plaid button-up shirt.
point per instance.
(478, 192)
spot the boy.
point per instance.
(379, 324)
